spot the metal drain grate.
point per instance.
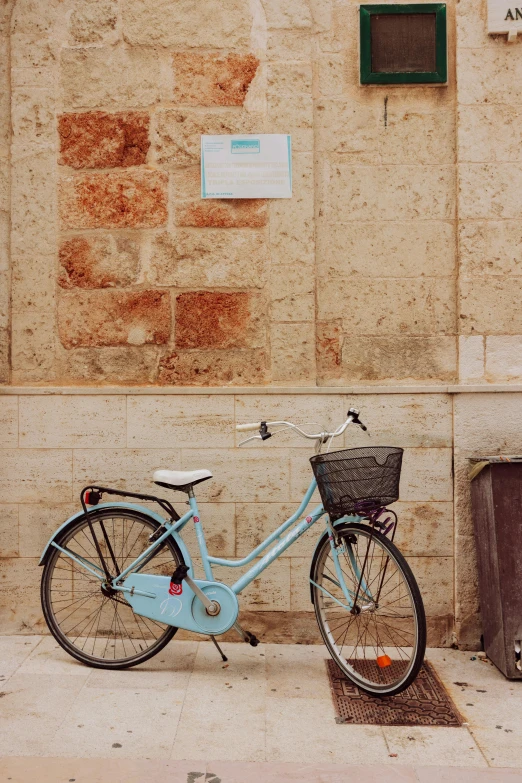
(424, 703)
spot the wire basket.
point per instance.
(354, 479)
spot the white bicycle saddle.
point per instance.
(179, 479)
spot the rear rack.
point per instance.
(99, 491)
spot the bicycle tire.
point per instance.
(50, 611)
(354, 668)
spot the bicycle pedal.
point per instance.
(252, 640)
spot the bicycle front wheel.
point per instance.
(378, 639)
(92, 622)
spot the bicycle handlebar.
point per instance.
(353, 416)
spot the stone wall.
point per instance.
(392, 273)
(53, 445)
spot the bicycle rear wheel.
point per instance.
(90, 621)
(380, 643)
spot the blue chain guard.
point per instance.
(184, 610)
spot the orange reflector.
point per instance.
(383, 661)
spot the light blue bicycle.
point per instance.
(118, 580)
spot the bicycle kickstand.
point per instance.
(220, 651)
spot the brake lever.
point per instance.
(253, 437)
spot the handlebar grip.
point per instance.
(248, 427)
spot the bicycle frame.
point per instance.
(283, 542)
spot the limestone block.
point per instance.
(301, 475)
(224, 258)
(491, 305)
(235, 367)
(489, 190)
(4, 299)
(34, 475)
(289, 45)
(504, 358)
(425, 528)
(221, 213)
(29, 17)
(8, 421)
(328, 351)
(127, 365)
(300, 598)
(467, 601)
(5, 369)
(180, 421)
(33, 335)
(33, 284)
(292, 115)
(179, 131)
(348, 129)
(331, 78)
(219, 524)
(113, 78)
(292, 234)
(270, 591)
(490, 247)
(416, 306)
(9, 544)
(293, 352)
(219, 24)
(101, 261)
(93, 319)
(489, 134)
(20, 608)
(97, 140)
(136, 199)
(37, 523)
(399, 358)
(33, 203)
(215, 319)
(212, 79)
(400, 140)
(290, 16)
(471, 358)
(435, 578)
(289, 78)
(471, 24)
(386, 249)
(473, 63)
(33, 118)
(406, 420)
(247, 476)
(371, 192)
(426, 475)
(129, 469)
(63, 422)
(313, 412)
(292, 293)
(256, 521)
(94, 22)
(34, 59)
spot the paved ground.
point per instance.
(186, 716)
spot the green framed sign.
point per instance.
(403, 44)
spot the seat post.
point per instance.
(200, 535)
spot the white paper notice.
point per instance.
(246, 166)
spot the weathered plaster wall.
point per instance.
(396, 262)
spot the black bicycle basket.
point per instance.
(354, 479)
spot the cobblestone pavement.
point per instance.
(267, 715)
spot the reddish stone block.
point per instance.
(328, 349)
(213, 368)
(208, 319)
(98, 318)
(215, 213)
(213, 79)
(100, 140)
(130, 199)
(98, 261)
